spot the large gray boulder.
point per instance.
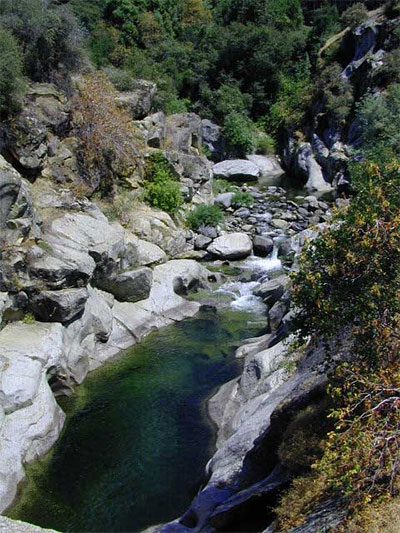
(130, 286)
(263, 245)
(236, 170)
(140, 100)
(59, 306)
(269, 165)
(76, 244)
(272, 290)
(231, 246)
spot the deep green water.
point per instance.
(137, 437)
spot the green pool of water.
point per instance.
(137, 437)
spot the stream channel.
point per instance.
(137, 436)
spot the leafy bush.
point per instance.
(354, 16)
(164, 193)
(336, 92)
(109, 144)
(264, 144)
(11, 78)
(205, 215)
(379, 119)
(221, 185)
(121, 79)
(161, 187)
(291, 104)
(242, 199)
(238, 131)
(349, 282)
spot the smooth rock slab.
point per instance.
(231, 246)
(236, 169)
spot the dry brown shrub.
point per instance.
(110, 144)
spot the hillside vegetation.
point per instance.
(264, 72)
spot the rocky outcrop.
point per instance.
(213, 139)
(31, 420)
(45, 112)
(140, 100)
(17, 214)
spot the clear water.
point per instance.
(137, 437)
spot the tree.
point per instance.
(11, 77)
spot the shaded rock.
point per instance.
(236, 169)
(311, 169)
(231, 246)
(201, 242)
(59, 306)
(270, 291)
(213, 139)
(208, 231)
(62, 165)
(17, 214)
(328, 517)
(44, 112)
(130, 286)
(139, 101)
(153, 129)
(262, 245)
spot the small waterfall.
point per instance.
(268, 264)
(242, 291)
(243, 297)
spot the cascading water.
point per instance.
(242, 292)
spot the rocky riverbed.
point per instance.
(81, 280)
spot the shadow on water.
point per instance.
(137, 439)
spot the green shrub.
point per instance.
(175, 105)
(220, 186)
(164, 193)
(379, 119)
(242, 199)
(162, 190)
(239, 133)
(121, 79)
(291, 104)
(11, 79)
(336, 92)
(354, 16)
(264, 144)
(205, 215)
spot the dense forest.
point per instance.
(259, 69)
